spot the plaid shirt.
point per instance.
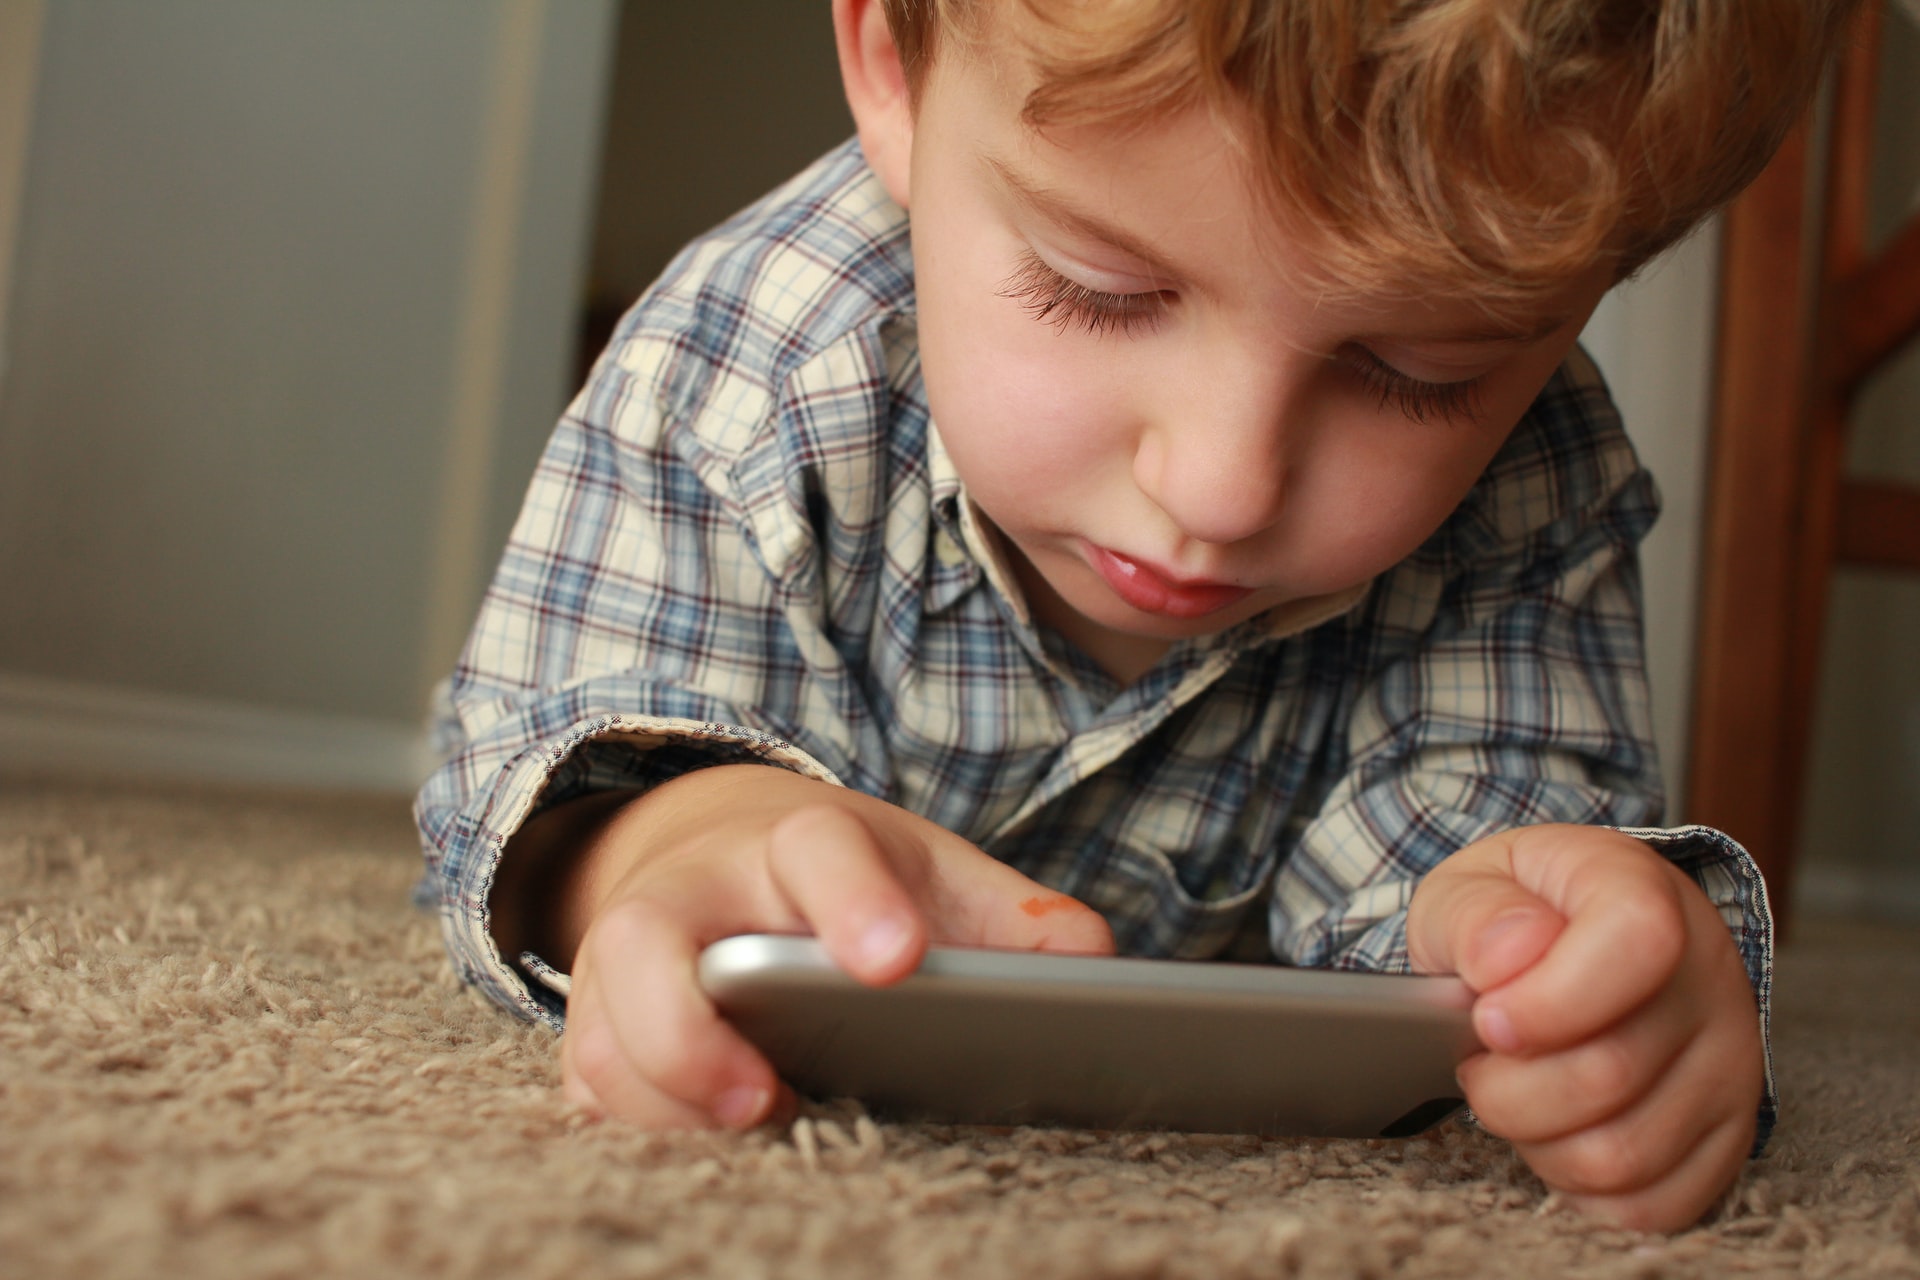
(746, 543)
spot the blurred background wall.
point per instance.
(710, 106)
(293, 294)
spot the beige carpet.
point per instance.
(229, 1048)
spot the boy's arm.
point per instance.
(542, 889)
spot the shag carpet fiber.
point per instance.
(228, 1047)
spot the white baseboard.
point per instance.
(1881, 893)
(50, 726)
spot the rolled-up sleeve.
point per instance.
(639, 626)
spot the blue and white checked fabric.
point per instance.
(745, 542)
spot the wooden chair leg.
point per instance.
(1741, 765)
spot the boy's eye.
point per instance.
(1053, 299)
(1418, 399)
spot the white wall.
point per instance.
(293, 299)
(1653, 338)
(679, 157)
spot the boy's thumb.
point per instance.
(1481, 925)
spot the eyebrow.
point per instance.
(1058, 209)
(1063, 212)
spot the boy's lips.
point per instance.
(1153, 590)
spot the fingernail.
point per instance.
(885, 939)
(742, 1107)
(1496, 1028)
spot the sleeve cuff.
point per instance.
(1727, 874)
(607, 752)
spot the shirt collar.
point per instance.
(1296, 616)
(962, 522)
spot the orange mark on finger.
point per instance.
(1037, 907)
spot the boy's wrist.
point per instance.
(537, 884)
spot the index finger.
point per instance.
(955, 892)
(974, 899)
(877, 885)
(831, 867)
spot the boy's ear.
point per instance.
(876, 86)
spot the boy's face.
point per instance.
(1169, 432)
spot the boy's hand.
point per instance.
(1624, 1060)
(753, 849)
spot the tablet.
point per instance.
(1020, 1037)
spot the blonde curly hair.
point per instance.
(1505, 145)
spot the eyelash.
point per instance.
(1424, 402)
(1051, 298)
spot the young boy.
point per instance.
(1200, 537)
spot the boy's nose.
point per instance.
(1218, 468)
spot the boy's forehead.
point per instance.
(1177, 196)
(1075, 168)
